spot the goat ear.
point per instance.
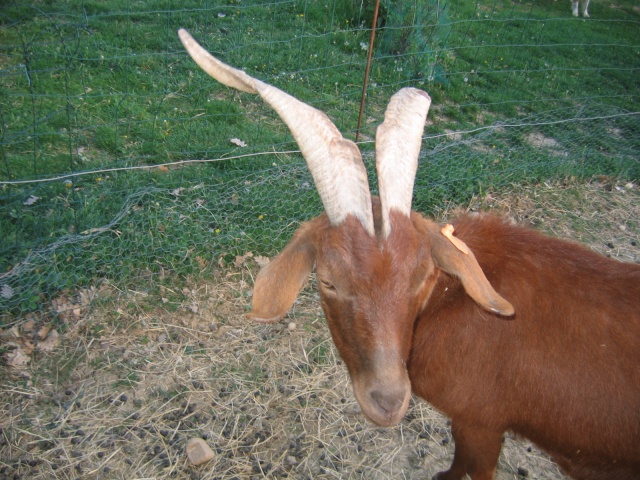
(455, 258)
(279, 282)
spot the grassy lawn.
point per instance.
(522, 93)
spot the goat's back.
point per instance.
(564, 371)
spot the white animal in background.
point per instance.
(585, 8)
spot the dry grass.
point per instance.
(134, 378)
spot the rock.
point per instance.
(198, 451)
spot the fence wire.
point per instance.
(121, 162)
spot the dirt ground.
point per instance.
(119, 392)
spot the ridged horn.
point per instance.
(398, 142)
(335, 163)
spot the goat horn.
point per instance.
(398, 142)
(335, 163)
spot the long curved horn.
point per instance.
(398, 142)
(335, 163)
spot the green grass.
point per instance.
(87, 86)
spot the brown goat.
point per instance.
(411, 308)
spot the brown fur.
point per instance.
(412, 312)
(564, 372)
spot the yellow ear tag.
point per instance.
(447, 231)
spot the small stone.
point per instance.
(198, 451)
(291, 326)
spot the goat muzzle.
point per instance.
(384, 391)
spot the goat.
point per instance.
(412, 307)
(585, 8)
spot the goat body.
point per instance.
(500, 327)
(564, 372)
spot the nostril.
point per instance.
(389, 401)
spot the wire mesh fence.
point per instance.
(122, 162)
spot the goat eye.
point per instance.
(328, 285)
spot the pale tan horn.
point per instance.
(398, 142)
(335, 163)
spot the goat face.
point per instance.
(371, 290)
(377, 261)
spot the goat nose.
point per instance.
(389, 401)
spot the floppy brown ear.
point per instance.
(279, 282)
(455, 258)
